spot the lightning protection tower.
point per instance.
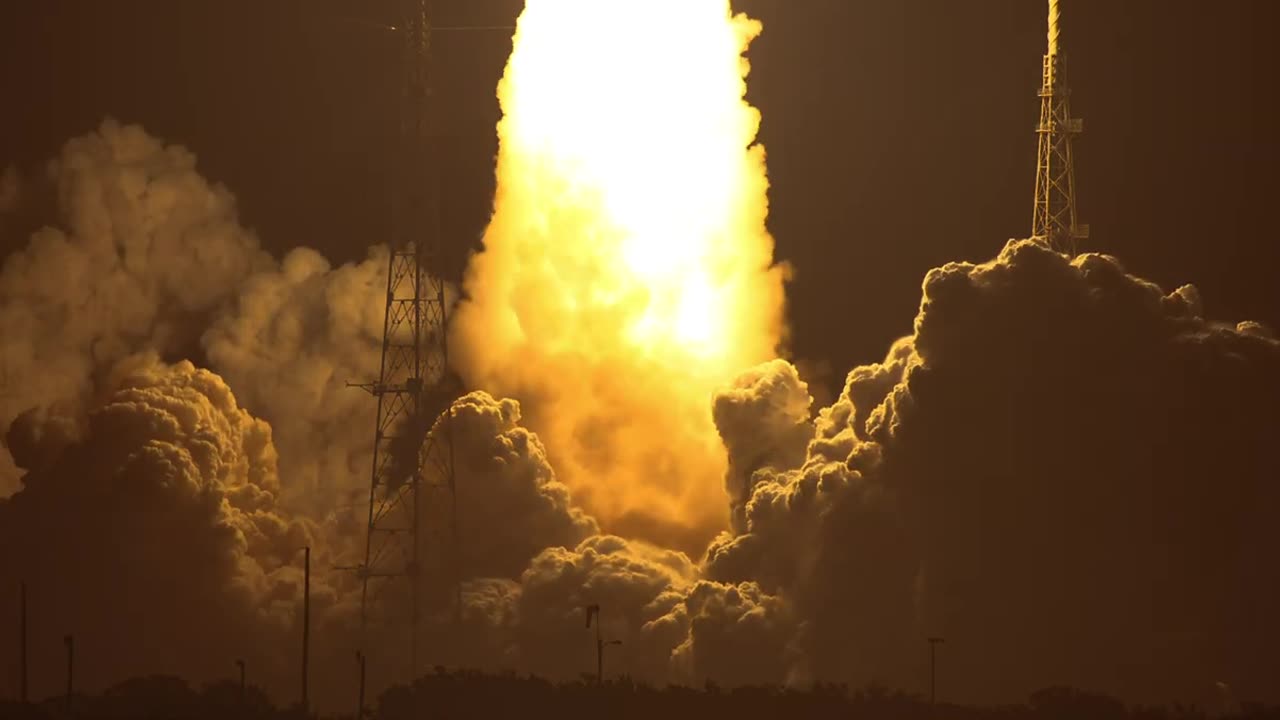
(1054, 222)
(411, 494)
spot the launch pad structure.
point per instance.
(412, 478)
(1054, 221)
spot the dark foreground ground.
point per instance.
(472, 695)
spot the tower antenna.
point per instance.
(412, 466)
(1054, 221)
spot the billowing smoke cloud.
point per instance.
(147, 260)
(627, 271)
(763, 418)
(1065, 471)
(672, 626)
(636, 586)
(737, 635)
(143, 251)
(154, 536)
(505, 482)
(161, 522)
(289, 342)
(146, 255)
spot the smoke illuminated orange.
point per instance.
(627, 271)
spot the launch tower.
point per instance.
(1054, 222)
(411, 494)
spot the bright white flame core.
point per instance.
(627, 270)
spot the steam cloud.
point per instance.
(150, 503)
(506, 482)
(159, 522)
(144, 250)
(1064, 470)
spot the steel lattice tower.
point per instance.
(1054, 222)
(411, 495)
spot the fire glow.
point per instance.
(627, 270)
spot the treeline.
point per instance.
(467, 695)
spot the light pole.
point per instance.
(22, 646)
(306, 624)
(360, 703)
(70, 642)
(600, 646)
(240, 664)
(593, 612)
(933, 668)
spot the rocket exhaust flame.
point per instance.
(627, 270)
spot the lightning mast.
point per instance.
(1054, 222)
(413, 474)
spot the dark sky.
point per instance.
(900, 132)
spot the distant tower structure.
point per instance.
(411, 498)
(1055, 221)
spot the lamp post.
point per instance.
(593, 613)
(933, 668)
(306, 624)
(360, 660)
(70, 642)
(22, 645)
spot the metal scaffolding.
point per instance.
(1054, 222)
(411, 494)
